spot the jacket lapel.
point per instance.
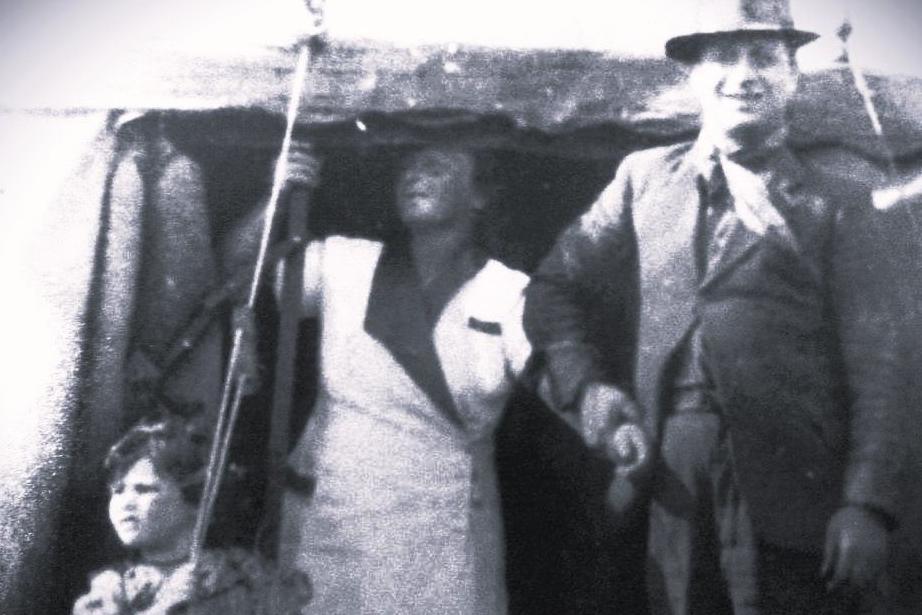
(398, 317)
(665, 218)
(739, 244)
(758, 217)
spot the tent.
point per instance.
(111, 141)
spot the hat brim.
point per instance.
(685, 48)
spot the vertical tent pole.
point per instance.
(289, 304)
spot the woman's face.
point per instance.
(437, 187)
(147, 509)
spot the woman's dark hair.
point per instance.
(172, 444)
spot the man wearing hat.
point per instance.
(731, 307)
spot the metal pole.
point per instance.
(232, 392)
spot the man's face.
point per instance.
(436, 187)
(147, 509)
(744, 83)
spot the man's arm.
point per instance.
(303, 175)
(587, 259)
(312, 279)
(865, 280)
(865, 285)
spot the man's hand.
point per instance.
(857, 545)
(303, 166)
(602, 408)
(629, 448)
(244, 320)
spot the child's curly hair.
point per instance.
(174, 446)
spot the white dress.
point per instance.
(405, 517)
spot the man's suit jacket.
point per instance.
(800, 331)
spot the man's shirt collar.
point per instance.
(706, 153)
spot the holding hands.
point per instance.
(609, 419)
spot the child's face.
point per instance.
(147, 509)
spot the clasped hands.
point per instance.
(609, 420)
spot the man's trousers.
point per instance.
(703, 556)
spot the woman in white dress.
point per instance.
(421, 343)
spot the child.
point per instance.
(156, 474)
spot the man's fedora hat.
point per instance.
(719, 18)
